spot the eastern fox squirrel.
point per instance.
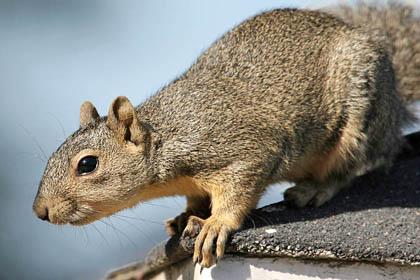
(288, 95)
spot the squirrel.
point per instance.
(288, 95)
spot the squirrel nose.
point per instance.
(42, 213)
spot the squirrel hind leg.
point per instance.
(313, 193)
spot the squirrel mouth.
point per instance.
(76, 220)
(78, 223)
(84, 215)
(81, 219)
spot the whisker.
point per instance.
(115, 232)
(34, 155)
(252, 220)
(83, 228)
(36, 141)
(123, 233)
(158, 205)
(139, 219)
(122, 216)
(59, 123)
(87, 236)
(140, 203)
(139, 229)
(100, 233)
(266, 221)
(176, 202)
(88, 211)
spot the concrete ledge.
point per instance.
(288, 269)
(376, 221)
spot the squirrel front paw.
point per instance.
(208, 230)
(177, 224)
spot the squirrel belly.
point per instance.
(288, 95)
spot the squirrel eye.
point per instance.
(87, 165)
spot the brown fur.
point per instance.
(286, 95)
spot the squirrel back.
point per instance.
(401, 27)
(288, 95)
(284, 74)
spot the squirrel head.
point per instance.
(99, 169)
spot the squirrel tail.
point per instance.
(400, 23)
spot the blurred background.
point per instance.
(53, 56)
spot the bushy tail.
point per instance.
(401, 25)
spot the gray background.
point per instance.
(53, 56)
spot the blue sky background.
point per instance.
(53, 56)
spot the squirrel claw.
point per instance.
(193, 227)
(195, 260)
(212, 229)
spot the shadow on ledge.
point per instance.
(376, 220)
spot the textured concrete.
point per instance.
(376, 220)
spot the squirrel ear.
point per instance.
(88, 113)
(122, 119)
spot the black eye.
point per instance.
(87, 165)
